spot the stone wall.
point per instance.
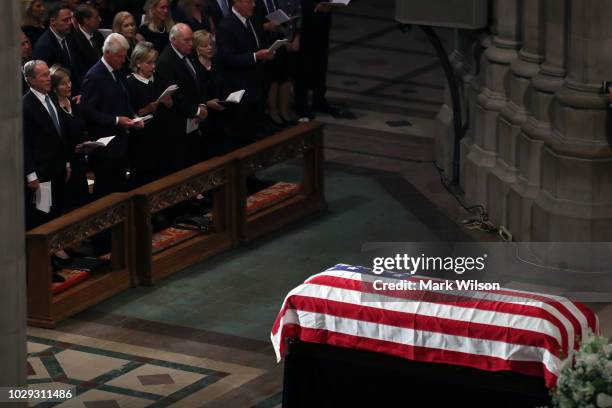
(538, 151)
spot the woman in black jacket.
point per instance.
(146, 145)
(77, 190)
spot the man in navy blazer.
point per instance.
(106, 106)
(242, 54)
(56, 45)
(45, 147)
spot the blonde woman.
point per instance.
(146, 145)
(157, 24)
(32, 19)
(124, 24)
(215, 125)
(77, 191)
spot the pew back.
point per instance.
(112, 213)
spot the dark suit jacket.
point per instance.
(48, 49)
(171, 70)
(213, 9)
(102, 100)
(45, 151)
(86, 54)
(236, 45)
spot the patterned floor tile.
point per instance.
(87, 366)
(155, 379)
(36, 347)
(39, 371)
(134, 380)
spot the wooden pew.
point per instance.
(114, 213)
(304, 141)
(214, 175)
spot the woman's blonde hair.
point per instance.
(202, 36)
(148, 8)
(120, 17)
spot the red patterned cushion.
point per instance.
(269, 196)
(72, 276)
(169, 237)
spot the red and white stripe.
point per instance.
(526, 332)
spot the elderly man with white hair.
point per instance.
(174, 67)
(108, 112)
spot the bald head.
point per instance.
(181, 38)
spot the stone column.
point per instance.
(575, 199)
(12, 248)
(537, 129)
(482, 154)
(515, 112)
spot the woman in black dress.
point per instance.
(157, 24)
(215, 126)
(32, 23)
(77, 190)
(281, 70)
(146, 144)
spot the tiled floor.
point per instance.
(201, 337)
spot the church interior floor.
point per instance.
(201, 337)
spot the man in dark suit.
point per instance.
(107, 108)
(182, 120)
(45, 146)
(313, 60)
(242, 54)
(56, 45)
(87, 38)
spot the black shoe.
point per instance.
(57, 278)
(280, 125)
(288, 122)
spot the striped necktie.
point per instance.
(53, 115)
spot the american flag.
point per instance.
(493, 330)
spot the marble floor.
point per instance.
(201, 337)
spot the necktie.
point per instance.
(224, 7)
(65, 54)
(270, 6)
(253, 31)
(190, 69)
(53, 115)
(117, 75)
